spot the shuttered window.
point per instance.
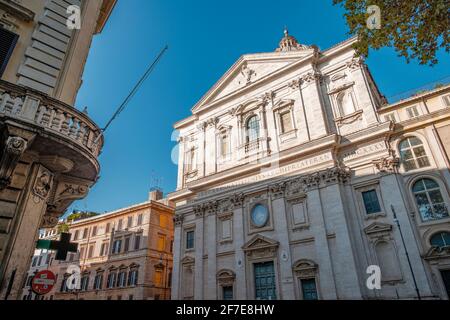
(8, 41)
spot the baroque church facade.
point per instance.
(295, 175)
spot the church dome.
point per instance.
(289, 43)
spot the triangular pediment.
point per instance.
(248, 71)
(378, 227)
(260, 242)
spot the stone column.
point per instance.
(346, 271)
(318, 228)
(284, 254)
(177, 245)
(210, 147)
(299, 110)
(315, 113)
(211, 241)
(199, 274)
(31, 211)
(201, 150)
(239, 241)
(181, 159)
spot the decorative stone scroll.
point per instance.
(13, 149)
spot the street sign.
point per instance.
(43, 282)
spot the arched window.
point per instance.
(252, 129)
(345, 103)
(429, 200)
(441, 240)
(413, 155)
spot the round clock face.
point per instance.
(260, 215)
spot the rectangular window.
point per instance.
(371, 203)
(82, 250)
(309, 289)
(91, 251)
(412, 112)
(85, 233)
(227, 293)
(126, 247)
(190, 238)
(161, 243)
(117, 246)
(163, 221)
(286, 122)
(224, 145)
(119, 225)
(130, 222)
(158, 277)
(35, 259)
(94, 231)
(98, 283)
(137, 242)
(76, 235)
(108, 228)
(447, 100)
(140, 219)
(7, 45)
(39, 261)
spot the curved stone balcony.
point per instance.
(49, 132)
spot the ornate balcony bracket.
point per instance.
(65, 191)
(12, 150)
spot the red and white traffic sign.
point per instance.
(43, 282)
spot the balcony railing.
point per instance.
(50, 114)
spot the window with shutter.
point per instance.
(7, 44)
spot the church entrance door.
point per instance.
(265, 286)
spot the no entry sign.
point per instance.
(43, 282)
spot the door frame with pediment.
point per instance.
(260, 249)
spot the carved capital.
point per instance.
(212, 122)
(355, 64)
(311, 77)
(294, 84)
(387, 164)
(13, 149)
(178, 219)
(277, 190)
(237, 200)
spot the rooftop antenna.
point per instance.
(132, 93)
(155, 181)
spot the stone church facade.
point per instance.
(295, 175)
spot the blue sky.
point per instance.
(205, 39)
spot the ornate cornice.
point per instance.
(294, 187)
